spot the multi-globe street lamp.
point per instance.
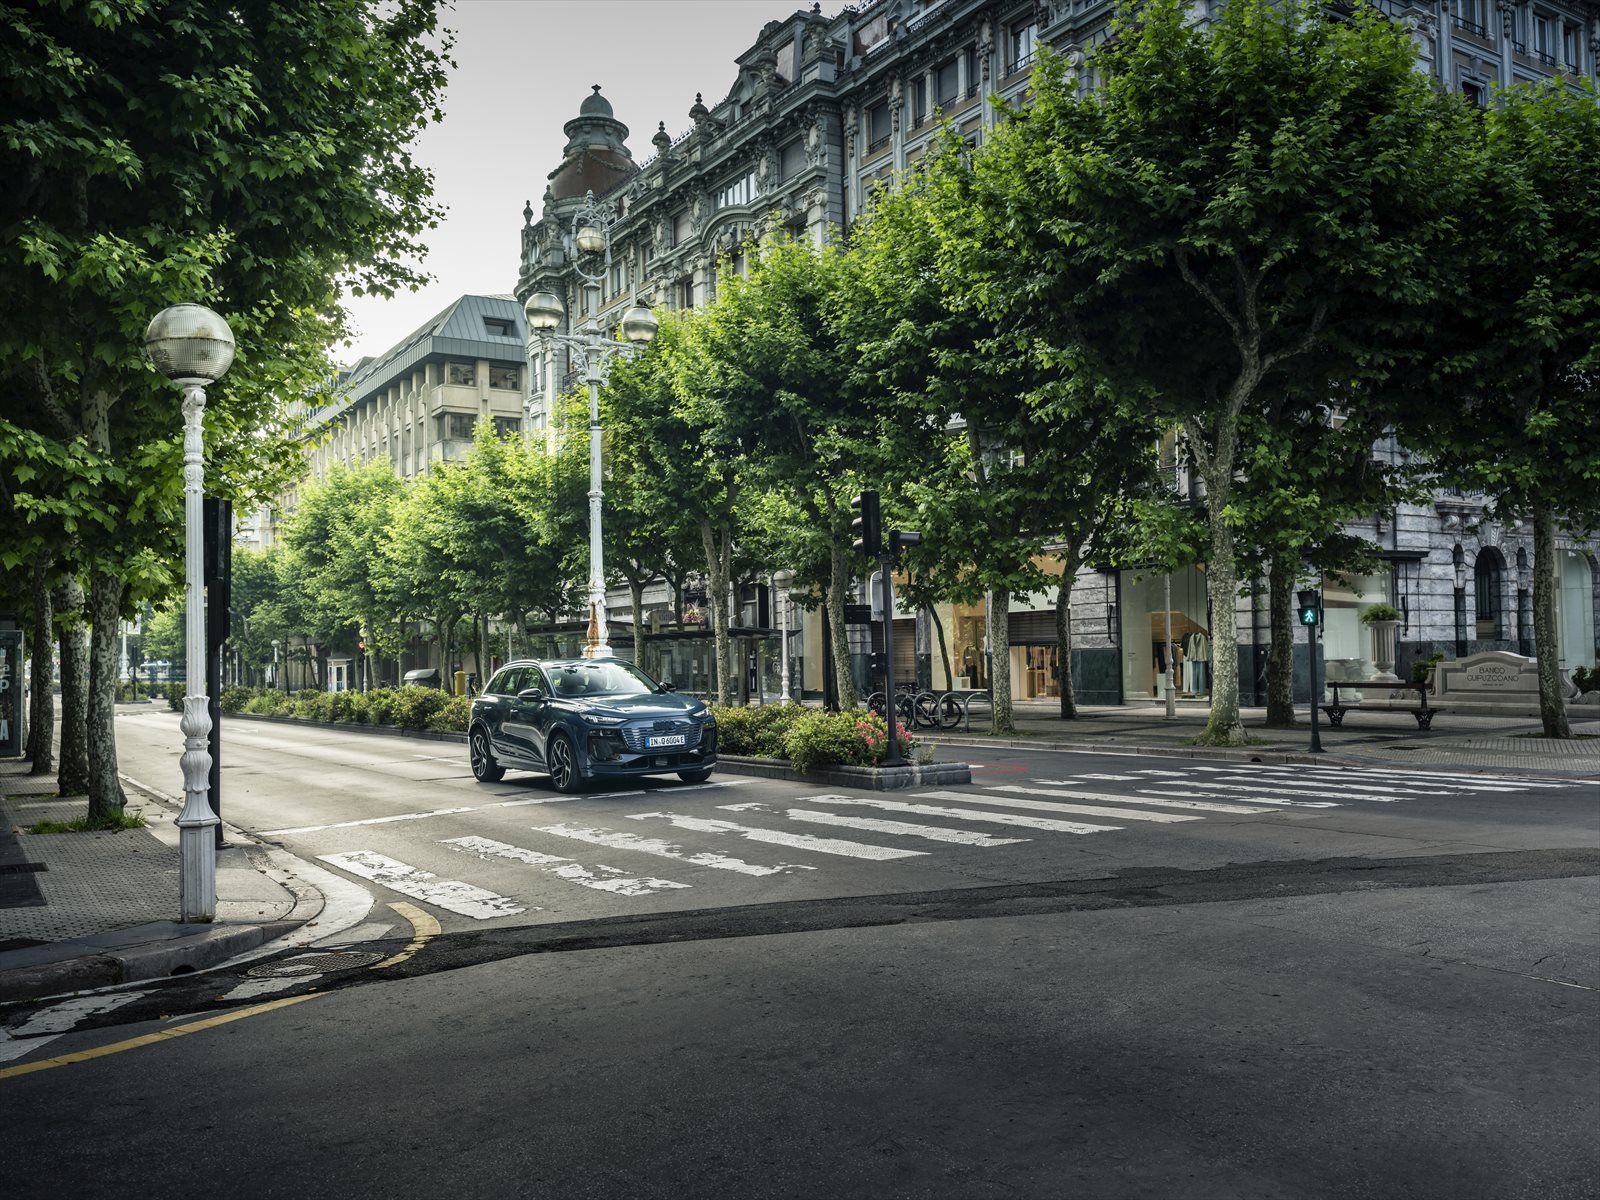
(588, 245)
(193, 346)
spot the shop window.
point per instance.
(461, 374)
(506, 378)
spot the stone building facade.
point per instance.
(824, 108)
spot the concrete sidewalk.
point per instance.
(81, 910)
(1368, 738)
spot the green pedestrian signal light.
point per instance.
(1310, 607)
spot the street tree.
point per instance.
(1504, 402)
(1233, 198)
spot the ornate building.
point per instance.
(821, 109)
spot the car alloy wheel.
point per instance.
(563, 764)
(484, 768)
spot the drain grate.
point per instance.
(315, 964)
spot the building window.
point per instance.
(877, 126)
(507, 378)
(1486, 579)
(971, 60)
(1569, 46)
(680, 228)
(1471, 17)
(919, 102)
(461, 374)
(1474, 93)
(456, 426)
(504, 426)
(740, 191)
(685, 293)
(616, 281)
(499, 327)
(791, 159)
(947, 82)
(1023, 38)
(1544, 40)
(789, 60)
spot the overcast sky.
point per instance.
(522, 69)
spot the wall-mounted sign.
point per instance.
(11, 701)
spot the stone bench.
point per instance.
(1424, 712)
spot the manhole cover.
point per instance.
(315, 964)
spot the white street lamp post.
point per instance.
(589, 241)
(193, 346)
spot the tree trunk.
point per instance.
(41, 704)
(73, 774)
(1000, 659)
(636, 595)
(1552, 700)
(1280, 645)
(944, 650)
(718, 568)
(1222, 588)
(839, 576)
(1069, 573)
(106, 798)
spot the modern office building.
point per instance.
(824, 108)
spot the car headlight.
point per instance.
(603, 719)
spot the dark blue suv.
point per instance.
(580, 719)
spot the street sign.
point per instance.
(858, 614)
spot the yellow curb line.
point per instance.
(423, 927)
(151, 1039)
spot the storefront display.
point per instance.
(1146, 620)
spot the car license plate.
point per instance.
(664, 739)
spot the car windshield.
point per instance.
(601, 678)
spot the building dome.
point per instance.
(597, 157)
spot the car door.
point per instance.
(534, 716)
(505, 735)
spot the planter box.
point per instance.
(431, 735)
(874, 779)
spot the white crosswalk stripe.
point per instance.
(1063, 788)
(449, 894)
(1082, 810)
(1148, 796)
(664, 849)
(932, 833)
(611, 879)
(797, 841)
(979, 815)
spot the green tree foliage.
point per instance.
(251, 156)
(1235, 201)
(1504, 399)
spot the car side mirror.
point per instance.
(667, 686)
(532, 695)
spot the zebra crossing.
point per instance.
(800, 835)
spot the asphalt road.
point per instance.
(1086, 975)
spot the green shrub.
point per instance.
(757, 731)
(268, 703)
(1380, 612)
(414, 706)
(311, 704)
(1586, 679)
(234, 698)
(857, 738)
(175, 693)
(382, 706)
(1420, 668)
(453, 716)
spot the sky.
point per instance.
(522, 69)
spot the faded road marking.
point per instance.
(449, 894)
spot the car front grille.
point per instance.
(634, 735)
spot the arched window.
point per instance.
(1488, 574)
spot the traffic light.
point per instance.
(901, 539)
(866, 525)
(1310, 607)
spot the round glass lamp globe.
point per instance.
(639, 324)
(544, 310)
(591, 239)
(189, 341)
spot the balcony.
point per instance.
(877, 144)
(1471, 27)
(1021, 64)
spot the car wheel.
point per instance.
(700, 776)
(484, 767)
(563, 761)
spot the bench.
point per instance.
(1336, 710)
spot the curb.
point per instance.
(879, 779)
(152, 960)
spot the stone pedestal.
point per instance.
(1383, 649)
(1492, 684)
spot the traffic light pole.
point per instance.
(891, 756)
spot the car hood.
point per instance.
(666, 704)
